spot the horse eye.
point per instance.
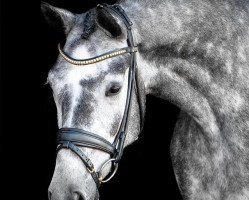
(113, 90)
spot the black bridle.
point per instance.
(71, 138)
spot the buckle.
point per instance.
(90, 170)
(100, 6)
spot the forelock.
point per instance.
(89, 24)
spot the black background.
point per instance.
(28, 116)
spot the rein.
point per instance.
(71, 138)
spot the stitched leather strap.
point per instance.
(85, 139)
(121, 135)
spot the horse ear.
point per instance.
(57, 17)
(106, 21)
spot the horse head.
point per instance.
(91, 82)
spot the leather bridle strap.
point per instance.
(85, 139)
(96, 59)
(71, 137)
(121, 135)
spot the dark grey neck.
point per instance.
(197, 47)
(196, 54)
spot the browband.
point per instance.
(96, 59)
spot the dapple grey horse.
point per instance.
(193, 53)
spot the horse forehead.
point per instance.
(83, 51)
(88, 72)
(68, 72)
(65, 73)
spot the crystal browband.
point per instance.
(99, 58)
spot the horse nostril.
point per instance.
(78, 196)
(81, 198)
(49, 195)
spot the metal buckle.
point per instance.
(101, 179)
(92, 170)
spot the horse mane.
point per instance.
(89, 24)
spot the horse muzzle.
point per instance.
(71, 180)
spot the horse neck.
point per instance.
(198, 64)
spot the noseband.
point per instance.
(71, 138)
